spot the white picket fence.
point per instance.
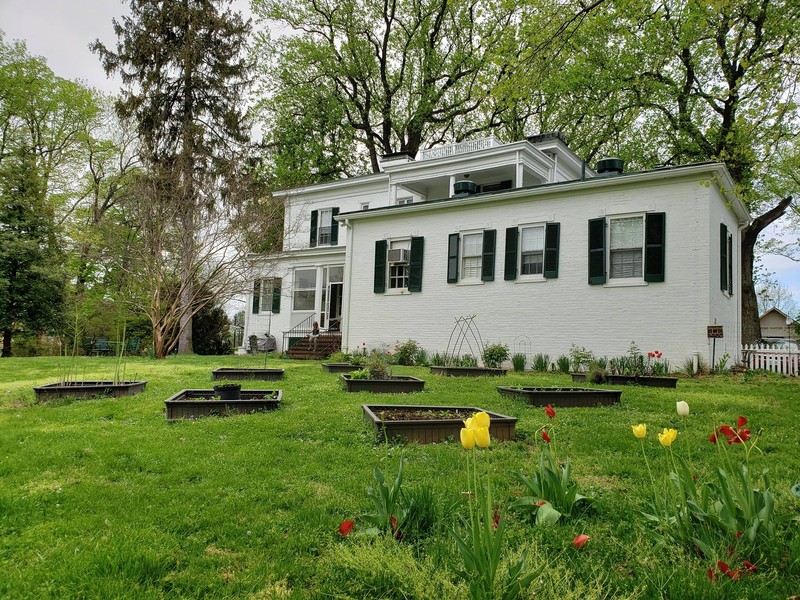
(771, 359)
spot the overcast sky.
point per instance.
(61, 31)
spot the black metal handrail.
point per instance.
(302, 329)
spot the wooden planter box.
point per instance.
(468, 371)
(562, 397)
(664, 382)
(88, 389)
(435, 427)
(340, 367)
(194, 404)
(233, 374)
(394, 385)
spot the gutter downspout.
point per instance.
(348, 268)
(739, 356)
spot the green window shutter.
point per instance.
(415, 264)
(276, 295)
(334, 227)
(453, 241)
(487, 260)
(597, 251)
(730, 264)
(654, 246)
(256, 296)
(512, 242)
(313, 237)
(723, 257)
(379, 285)
(552, 235)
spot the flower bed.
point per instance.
(430, 424)
(563, 397)
(194, 404)
(468, 371)
(393, 385)
(88, 389)
(647, 380)
(235, 374)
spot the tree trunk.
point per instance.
(6, 343)
(751, 327)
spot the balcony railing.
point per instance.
(460, 148)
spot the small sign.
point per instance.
(715, 331)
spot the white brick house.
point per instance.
(524, 236)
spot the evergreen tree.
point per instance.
(183, 66)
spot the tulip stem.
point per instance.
(650, 472)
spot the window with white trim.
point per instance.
(532, 250)
(304, 290)
(324, 227)
(626, 242)
(398, 269)
(471, 255)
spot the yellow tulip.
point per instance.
(667, 437)
(481, 419)
(467, 438)
(640, 430)
(482, 437)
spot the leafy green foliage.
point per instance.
(211, 331)
(519, 361)
(541, 362)
(494, 355)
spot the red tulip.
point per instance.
(736, 574)
(545, 437)
(393, 521)
(713, 438)
(723, 567)
(749, 566)
(727, 431)
(496, 519)
(541, 503)
(580, 540)
(712, 576)
(741, 422)
(345, 528)
(549, 411)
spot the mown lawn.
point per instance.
(103, 498)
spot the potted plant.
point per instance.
(345, 362)
(228, 391)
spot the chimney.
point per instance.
(610, 166)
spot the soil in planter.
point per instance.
(410, 414)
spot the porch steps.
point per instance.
(305, 349)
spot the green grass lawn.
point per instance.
(104, 498)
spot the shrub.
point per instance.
(421, 359)
(519, 360)
(562, 364)
(580, 358)
(406, 353)
(494, 355)
(541, 363)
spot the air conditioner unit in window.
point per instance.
(398, 255)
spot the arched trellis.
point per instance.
(465, 331)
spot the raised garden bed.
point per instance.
(664, 382)
(431, 424)
(401, 384)
(234, 374)
(195, 404)
(562, 397)
(650, 381)
(468, 371)
(87, 389)
(340, 367)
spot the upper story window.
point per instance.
(324, 230)
(305, 289)
(401, 201)
(627, 248)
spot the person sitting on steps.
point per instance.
(314, 334)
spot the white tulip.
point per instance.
(682, 408)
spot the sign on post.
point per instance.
(715, 331)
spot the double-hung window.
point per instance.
(626, 239)
(267, 295)
(471, 253)
(531, 252)
(305, 289)
(324, 230)
(627, 248)
(398, 265)
(470, 256)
